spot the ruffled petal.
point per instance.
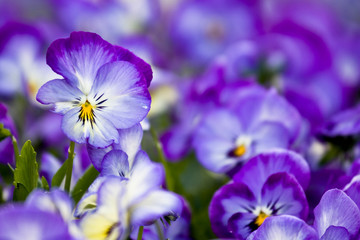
(228, 200)
(336, 209)
(285, 227)
(79, 57)
(214, 138)
(115, 163)
(130, 141)
(268, 135)
(335, 233)
(143, 67)
(284, 195)
(256, 171)
(60, 94)
(156, 204)
(353, 190)
(240, 225)
(146, 176)
(120, 94)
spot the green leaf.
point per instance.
(45, 184)
(20, 192)
(59, 175)
(84, 183)
(26, 171)
(4, 132)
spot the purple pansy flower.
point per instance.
(240, 207)
(104, 88)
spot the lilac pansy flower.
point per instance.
(251, 123)
(104, 88)
(275, 188)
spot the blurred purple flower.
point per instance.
(6, 146)
(202, 29)
(26, 222)
(252, 123)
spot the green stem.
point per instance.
(16, 148)
(159, 231)
(70, 160)
(140, 233)
(169, 180)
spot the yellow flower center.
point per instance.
(87, 113)
(240, 150)
(261, 218)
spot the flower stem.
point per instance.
(140, 233)
(70, 160)
(16, 148)
(169, 179)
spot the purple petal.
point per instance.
(336, 209)
(285, 227)
(156, 204)
(284, 195)
(143, 67)
(336, 233)
(115, 163)
(240, 226)
(79, 57)
(176, 142)
(256, 171)
(353, 190)
(275, 109)
(268, 135)
(130, 141)
(126, 99)
(214, 138)
(145, 177)
(96, 155)
(21, 222)
(228, 200)
(60, 94)
(55, 201)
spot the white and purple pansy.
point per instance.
(124, 203)
(238, 208)
(104, 88)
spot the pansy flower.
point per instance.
(270, 184)
(104, 88)
(125, 203)
(252, 122)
